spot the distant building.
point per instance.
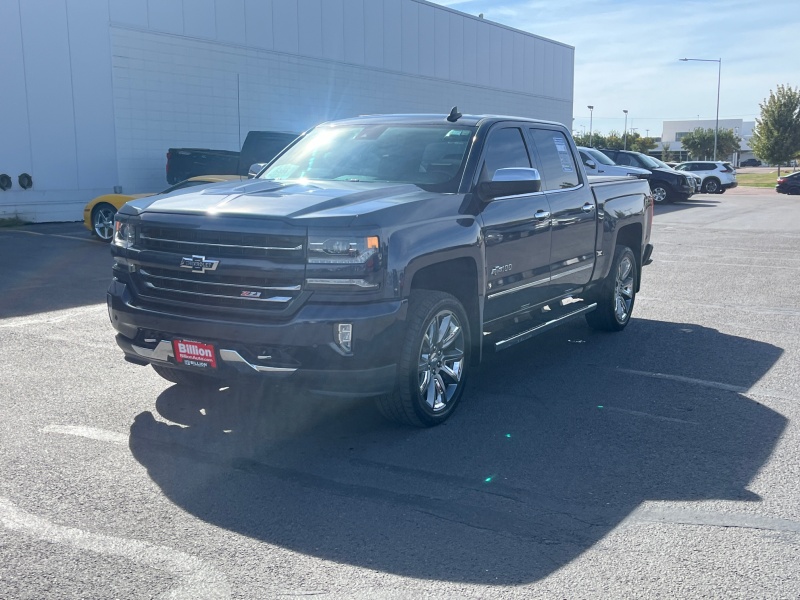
(673, 131)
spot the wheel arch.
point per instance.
(631, 235)
(459, 278)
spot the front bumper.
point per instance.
(301, 350)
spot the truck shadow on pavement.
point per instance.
(557, 443)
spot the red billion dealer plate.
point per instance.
(195, 354)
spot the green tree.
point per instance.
(700, 143)
(582, 139)
(666, 155)
(776, 137)
(641, 144)
(613, 141)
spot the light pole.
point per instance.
(625, 131)
(591, 112)
(719, 79)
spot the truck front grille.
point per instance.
(253, 272)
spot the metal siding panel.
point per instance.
(258, 23)
(309, 13)
(165, 15)
(373, 34)
(427, 46)
(538, 67)
(549, 70)
(15, 149)
(354, 31)
(507, 59)
(199, 19)
(285, 26)
(518, 63)
(456, 53)
(92, 91)
(333, 29)
(231, 21)
(48, 77)
(410, 37)
(441, 36)
(529, 66)
(470, 50)
(128, 12)
(392, 34)
(483, 43)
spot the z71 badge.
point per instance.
(199, 264)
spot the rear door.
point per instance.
(516, 232)
(574, 213)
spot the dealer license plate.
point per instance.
(195, 354)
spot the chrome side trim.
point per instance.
(279, 299)
(571, 271)
(521, 337)
(518, 288)
(288, 288)
(155, 239)
(234, 357)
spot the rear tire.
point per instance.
(711, 185)
(434, 361)
(188, 379)
(617, 294)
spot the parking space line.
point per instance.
(681, 516)
(703, 382)
(199, 579)
(55, 235)
(92, 433)
(646, 415)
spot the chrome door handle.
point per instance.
(587, 208)
(542, 215)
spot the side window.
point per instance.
(505, 149)
(558, 165)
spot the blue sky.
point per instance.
(626, 54)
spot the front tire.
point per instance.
(617, 294)
(103, 221)
(434, 361)
(661, 193)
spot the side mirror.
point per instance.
(590, 163)
(255, 169)
(510, 182)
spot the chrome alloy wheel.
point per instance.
(103, 221)
(441, 360)
(659, 194)
(624, 292)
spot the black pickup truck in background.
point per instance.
(380, 257)
(258, 147)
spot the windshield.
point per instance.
(651, 162)
(599, 157)
(431, 156)
(660, 163)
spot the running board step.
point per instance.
(542, 327)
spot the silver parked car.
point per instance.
(717, 176)
(597, 163)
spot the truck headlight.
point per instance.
(342, 250)
(124, 234)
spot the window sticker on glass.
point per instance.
(563, 154)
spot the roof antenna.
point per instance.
(454, 115)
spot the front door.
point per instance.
(516, 233)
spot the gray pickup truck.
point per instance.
(380, 256)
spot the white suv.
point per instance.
(717, 176)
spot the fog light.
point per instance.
(344, 336)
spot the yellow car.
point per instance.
(98, 215)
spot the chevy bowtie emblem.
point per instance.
(199, 264)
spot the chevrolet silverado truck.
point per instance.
(380, 257)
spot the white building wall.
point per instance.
(105, 87)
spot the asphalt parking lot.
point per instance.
(662, 462)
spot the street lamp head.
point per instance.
(625, 110)
(590, 107)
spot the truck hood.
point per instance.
(291, 200)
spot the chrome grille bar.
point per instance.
(168, 241)
(274, 299)
(242, 286)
